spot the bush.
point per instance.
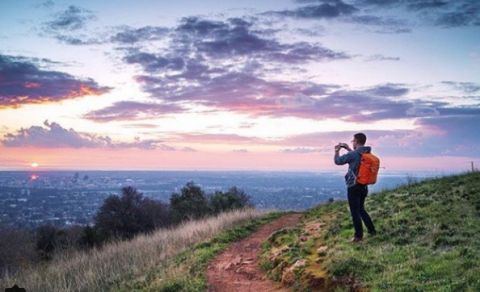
(16, 249)
(191, 203)
(123, 217)
(48, 239)
(233, 199)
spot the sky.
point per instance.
(238, 85)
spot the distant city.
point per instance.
(62, 198)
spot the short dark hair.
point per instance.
(361, 138)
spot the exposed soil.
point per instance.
(237, 268)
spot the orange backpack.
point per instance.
(368, 169)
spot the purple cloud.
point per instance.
(321, 9)
(132, 110)
(22, 81)
(53, 135)
(129, 35)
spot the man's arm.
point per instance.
(341, 160)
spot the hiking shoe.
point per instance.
(356, 239)
(373, 233)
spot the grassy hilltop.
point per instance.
(428, 240)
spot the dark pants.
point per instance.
(356, 201)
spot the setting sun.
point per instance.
(34, 164)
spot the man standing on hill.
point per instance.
(356, 192)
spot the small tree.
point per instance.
(125, 216)
(191, 203)
(49, 239)
(234, 198)
(89, 237)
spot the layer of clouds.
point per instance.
(132, 110)
(466, 87)
(53, 135)
(374, 13)
(318, 9)
(23, 81)
(443, 13)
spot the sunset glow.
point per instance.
(237, 85)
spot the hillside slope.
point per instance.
(428, 240)
(172, 259)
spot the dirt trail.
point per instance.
(237, 268)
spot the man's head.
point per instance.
(359, 139)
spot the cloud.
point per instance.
(70, 27)
(45, 4)
(372, 13)
(381, 24)
(129, 35)
(380, 57)
(345, 12)
(322, 9)
(23, 81)
(441, 13)
(466, 87)
(302, 150)
(254, 96)
(206, 81)
(188, 149)
(454, 135)
(215, 138)
(242, 150)
(132, 110)
(53, 135)
(73, 18)
(221, 44)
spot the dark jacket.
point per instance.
(353, 159)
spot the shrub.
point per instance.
(48, 239)
(17, 249)
(234, 198)
(123, 217)
(191, 203)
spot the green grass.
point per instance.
(187, 270)
(428, 239)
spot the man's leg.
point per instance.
(354, 204)
(365, 217)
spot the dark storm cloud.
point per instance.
(131, 110)
(53, 135)
(22, 81)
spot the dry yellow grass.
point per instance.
(100, 269)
